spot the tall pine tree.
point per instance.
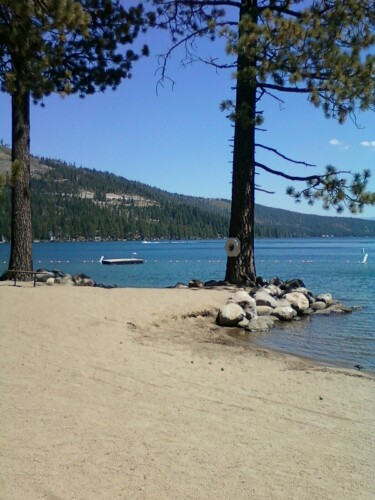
(316, 48)
(62, 46)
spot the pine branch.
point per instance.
(296, 177)
(273, 150)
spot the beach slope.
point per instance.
(135, 393)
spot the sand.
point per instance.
(136, 394)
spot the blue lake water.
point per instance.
(331, 265)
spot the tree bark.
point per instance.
(241, 270)
(21, 230)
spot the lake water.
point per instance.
(331, 265)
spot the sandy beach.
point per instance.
(137, 394)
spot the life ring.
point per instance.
(233, 247)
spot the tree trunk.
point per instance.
(241, 269)
(21, 232)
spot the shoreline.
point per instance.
(135, 393)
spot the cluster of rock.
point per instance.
(262, 306)
(56, 277)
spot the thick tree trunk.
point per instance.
(21, 232)
(241, 269)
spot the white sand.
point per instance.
(115, 394)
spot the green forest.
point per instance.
(70, 203)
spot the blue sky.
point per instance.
(177, 139)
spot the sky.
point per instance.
(175, 137)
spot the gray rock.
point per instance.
(244, 323)
(325, 297)
(230, 315)
(83, 280)
(180, 285)
(284, 313)
(264, 310)
(318, 305)
(265, 299)
(274, 290)
(43, 275)
(196, 284)
(247, 303)
(297, 300)
(261, 324)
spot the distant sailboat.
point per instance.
(365, 256)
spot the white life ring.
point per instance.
(233, 247)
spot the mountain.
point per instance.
(71, 203)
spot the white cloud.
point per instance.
(335, 142)
(368, 144)
(340, 144)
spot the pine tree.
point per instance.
(62, 46)
(316, 48)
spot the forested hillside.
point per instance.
(71, 203)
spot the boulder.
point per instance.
(326, 298)
(43, 275)
(261, 324)
(335, 308)
(83, 280)
(291, 285)
(247, 303)
(265, 299)
(275, 281)
(230, 315)
(195, 284)
(284, 313)
(297, 300)
(260, 281)
(318, 305)
(244, 323)
(274, 290)
(214, 283)
(264, 310)
(50, 281)
(179, 285)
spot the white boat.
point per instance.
(120, 262)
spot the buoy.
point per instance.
(233, 247)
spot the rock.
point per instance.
(339, 308)
(291, 285)
(50, 281)
(326, 298)
(247, 303)
(297, 300)
(179, 285)
(265, 299)
(318, 305)
(243, 299)
(244, 323)
(214, 283)
(274, 290)
(230, 315)
(260, 281)
(275, 281)
(261, 324)
(67, 279)
(43, 275)
(195, 284)
(264, 310)
(83, 280)
(285, 313)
